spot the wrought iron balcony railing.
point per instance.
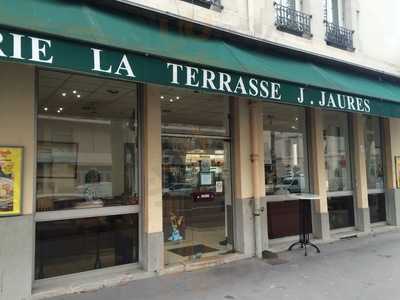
(206, 3)
(292, 21)
(339, 37)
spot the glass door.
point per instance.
(196, 197)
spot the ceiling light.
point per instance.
(161, 97)
(64, 94)
(74, 92)
(60, 109)
(171, 100)
(177, 97)
(45, 109)
(113, 92)
(78, 96)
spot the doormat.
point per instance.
(192, 250)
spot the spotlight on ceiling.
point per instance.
(112, 92)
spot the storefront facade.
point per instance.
(145, 160)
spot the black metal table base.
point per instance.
(304, 237)
(304, 244)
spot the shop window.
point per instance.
(86, 142)
(77, 245)
(338, 169)
(285, 148)
(87, 173)
(285, 165)
(374, 166)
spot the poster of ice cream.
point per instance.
(10, 180)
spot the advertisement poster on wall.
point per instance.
(10, 180)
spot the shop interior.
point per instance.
(86, 161)
(197, 210)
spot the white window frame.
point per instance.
(340, 12)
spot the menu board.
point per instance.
(10, 180)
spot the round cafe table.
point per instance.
(304, 234)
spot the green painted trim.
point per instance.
(58, 53)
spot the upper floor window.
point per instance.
(291, 19)
(334, 13)
(337, 34)
(206, 3)
(293, 4)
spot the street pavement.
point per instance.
(359, 268)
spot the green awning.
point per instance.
(93, 25)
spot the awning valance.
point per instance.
(74, 35)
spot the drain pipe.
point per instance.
(255, 122)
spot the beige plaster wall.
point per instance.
(152, 205)
(243, 173)
(17, 123)
(359, 159)
(394, 146)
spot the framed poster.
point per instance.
(397, 167)
(11, 160)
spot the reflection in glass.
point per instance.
(373, 153)
(337, 152)
(196, 198)
(87, 145)
(71, 246)
(285, 165)
(286, 169)
(377, 207)
(341, 212)
(374, 166)
(338, 168)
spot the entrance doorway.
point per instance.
(196, 198)
(196, 175)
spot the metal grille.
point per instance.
(339, 36)
(292, 21)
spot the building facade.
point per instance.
(139, 138)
